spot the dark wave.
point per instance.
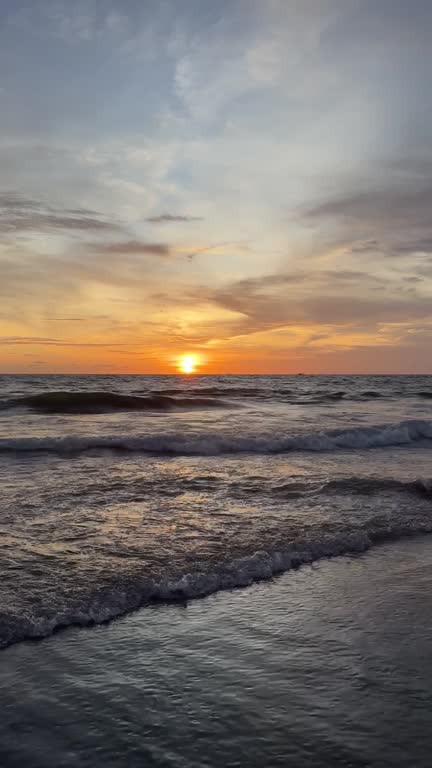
(282, 394)
(371, 485)
(345, 486)
(324, 397)
(215, 391)
(184, 398)
(101, 402)
(370, 394)
(258, 487)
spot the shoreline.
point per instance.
(327, 665)
(242, 574)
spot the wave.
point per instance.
(324, 397)
(129, 593)
(281, 394)
(370, 394)
(214, 391)
(212, 444)
(371, 485)
(188, 398)
(360, 486)
(101, 402)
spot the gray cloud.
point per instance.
(340, 299)
(13, 341)
(30, 281)
(393, 219)
(20, 214)
(214, 246)
(166, 218)
(410, 202)
(134, 248)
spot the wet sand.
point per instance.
(329, 665)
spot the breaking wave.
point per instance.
(212, 444)
(128, 593)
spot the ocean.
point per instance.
(127, 497)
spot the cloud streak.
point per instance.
(20, 214)
(392, 219)
(14, 341)
(345, 300)
(133, 248)
(169, 218)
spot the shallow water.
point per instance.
(121, 491)
(325, 666)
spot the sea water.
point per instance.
(118, 492)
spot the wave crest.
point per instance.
(212, 444)
(127, 595)
(101, 402)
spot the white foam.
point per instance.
(120, 599)
(403, 433)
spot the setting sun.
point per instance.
(188, 363)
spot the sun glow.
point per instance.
(188, 363)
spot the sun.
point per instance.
(188, 363)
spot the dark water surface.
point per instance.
(327, 666)
(129, 496)
(120, 491)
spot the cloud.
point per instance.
(239, 244)
(337, 300)
(407, 204)
(21, 214)
(392, 219)
(134, 248)
(167, 218)
(31, 280)
(13, 341)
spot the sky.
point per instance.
(247, 181)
